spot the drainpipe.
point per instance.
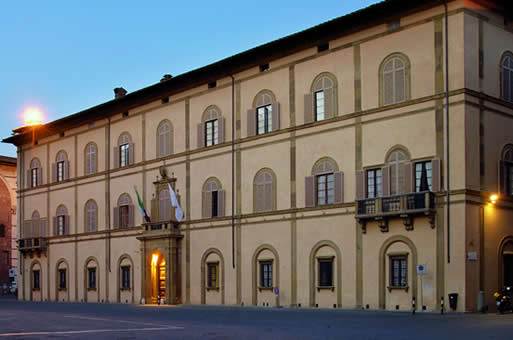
(447, 162)
(108, 197)
(233, 170)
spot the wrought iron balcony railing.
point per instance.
(27, 245)
(405, 206)
(169, 228)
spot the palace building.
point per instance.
(350, 165)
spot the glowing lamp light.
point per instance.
(33, 116)
(154, 259)
(494, 199)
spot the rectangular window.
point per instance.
(213, 274)
(34, 177)
(319, 105)
(62, 278)
(91, 278)
(35, 279)
(509, 175)
(264, 119)
(374, 183)
(212, 132)
(325, 189)
(124, 155)
(125, 277)
(60, 171)
(326, 272)
(423, 176)
(123, 216)
(60, 225)
(398, 271)
(214, 204)
(2, 230)
(5, 258)
(266, 274)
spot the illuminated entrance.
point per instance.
(158, 277)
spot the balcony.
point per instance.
(405, 206)
(161, 229)
(32, 245)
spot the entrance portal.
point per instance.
(508, 269)
(158, 277)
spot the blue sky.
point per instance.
(67, 56)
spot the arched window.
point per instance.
(61, 221)
(321, 102)
(164, 139)
(124, 212)
(507, 77)
(91, 216)
(211, 130)
(60, 169)
(34, 174)
(506, 171)
(164, 205)
(264, 117)
(38, 225)
(2, 230)
(394, 79)
(91, 163)
(213, 199)
(124, 152)
(264, 192)
(397, 176)
(325, 186)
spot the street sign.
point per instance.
(421, 269)
(276, 290)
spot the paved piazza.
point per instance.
(27, 320)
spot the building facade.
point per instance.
(318, 170)
(8, 233)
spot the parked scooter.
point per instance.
(503, 300)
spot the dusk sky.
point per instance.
(67, 56)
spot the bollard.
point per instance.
(413, 306)
(481, 305)
(442, 305)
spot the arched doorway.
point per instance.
(507, 261)
(158, 276)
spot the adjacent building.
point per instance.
(350, 165)
(8, 249)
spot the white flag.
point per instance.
(174, 203)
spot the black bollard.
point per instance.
(413, 306)
(442, 305)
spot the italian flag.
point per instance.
(141, 207)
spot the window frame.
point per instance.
(62, 273)
(213, 275)
(266, 282)
(61, 223)
(124, 216)
(91, 278)
(36, 279)
(212, 126)
(316, 106)
(326, 190)
(91, 167)
(403, 271)
(429, 175)
(2, 230)
(124, 155)
(125, 277)
(377, 187)
(407, 79)
(506, 56)
(60, 171)
(322, 282)
(267, 119)
(34, 178)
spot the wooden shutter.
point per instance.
(54, 172)
(29, 178)
(131, 217)
(200, 135)
(93, 161)
(400, 85)
(54, 226)
(503, 178)
(276, 116)
(220, 203)
(436, 180)
(115, 153)
(388, 88)
(339, 187)
(66, 169)
(409, 179)
(27, 229)
(360, 184)
(310, 191)
(207, 204)
(66, 225)
(131, 153)
(42, 227)
(329, 103)
(115, 224)
(39, 172)
(268, 194)
(221, 130)
(385, 180)
(309, 108)
(251, 122)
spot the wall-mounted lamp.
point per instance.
(494, 198)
